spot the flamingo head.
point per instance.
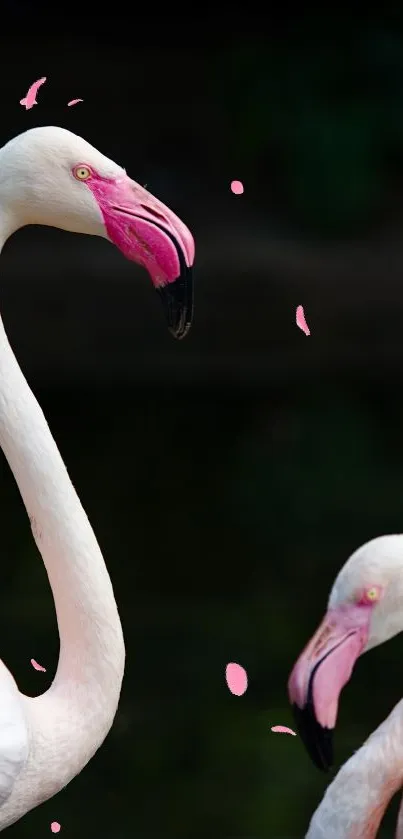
(365, 609)
(50, 176)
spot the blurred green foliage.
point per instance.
(318, 118)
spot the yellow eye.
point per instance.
(372, 594)
(82, 173)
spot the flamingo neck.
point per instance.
(356, 800)
(91, 661)
(8, 220)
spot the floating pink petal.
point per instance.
(37, 666)
(74, 102)
(30, 99)
(301, 322)
(282, 729)
(55, 827)
(236, 678)
(237, 187)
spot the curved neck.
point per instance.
(91, 661)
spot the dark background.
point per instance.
(227, 477)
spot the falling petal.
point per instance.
(301, 322)
(237, 187)
(282, 729)
(236, 678)
(37, 666)
(74, 102)
(55, 827)
(29, 100)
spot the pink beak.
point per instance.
(320, 674)
(149, 233)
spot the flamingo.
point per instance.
(364, 610)
(50, 176)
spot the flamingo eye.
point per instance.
(82, 173)
(371, 595)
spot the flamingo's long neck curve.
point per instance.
(70, 721)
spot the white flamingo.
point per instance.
(49, 176)
(365, 609)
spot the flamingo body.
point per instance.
(49, 176)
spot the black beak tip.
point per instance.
(180, 331)
(177, 301)
(317, 740)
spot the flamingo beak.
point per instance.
(177, 301)
(149, 233)
(319, 676)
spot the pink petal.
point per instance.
(301, 322)
(237, 187)
(74, 102)
(236, 678)
(55, 827)
(282, 729)
(29, 100)
(37, 666)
